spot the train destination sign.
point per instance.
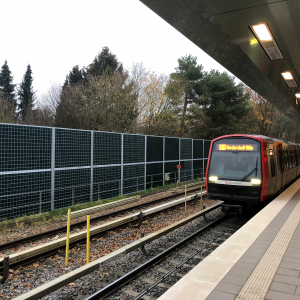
(226, 147)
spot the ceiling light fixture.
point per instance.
(264, 36)
(262, 32)
(289, 79)
(287, 75)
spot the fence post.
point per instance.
(145, 171)
(40, 202)
(201, 208)
(92, 166)
(68, 239)
(152, 181)
(73, 196)
(185, 198)
(179, 162)
(193, 159)
(52, 168)
(122, 159)
(164, 147)
(203, 160)
(88, 239)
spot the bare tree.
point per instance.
(44, 112)
(105, 102)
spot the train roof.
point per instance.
(263, 137)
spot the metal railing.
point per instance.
(40, 201)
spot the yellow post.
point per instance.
(68, 238)
(185, 199)
(88, 240)
(201, 199)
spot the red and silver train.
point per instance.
(249, 169)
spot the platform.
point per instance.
(259, 261)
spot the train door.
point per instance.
(272, 169)
(280, 166)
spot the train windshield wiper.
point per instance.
(255, 169)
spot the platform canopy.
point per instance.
(258, 55)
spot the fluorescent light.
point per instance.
(264, 35)
(213, 178)
(289, 79)
(287, 75)
(255, 181)
(297, 95)
(262, 32)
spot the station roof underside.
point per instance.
(223, 30)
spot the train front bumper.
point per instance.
(234, 194)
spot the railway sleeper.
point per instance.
(135, 294)
(5, 268)
(166, 272)
(151, 281)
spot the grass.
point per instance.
(58, 213)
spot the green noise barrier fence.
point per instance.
(43, 168)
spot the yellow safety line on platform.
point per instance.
(258, 284)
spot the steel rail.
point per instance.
(112, 287)
(83, 223)
(181, 264)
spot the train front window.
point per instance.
(236, 160)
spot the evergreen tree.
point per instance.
(104, 63)
(76, 75)
(26, 95)
(223, 102)
(185, 84)
(6, 86)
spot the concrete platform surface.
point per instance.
(260, 261)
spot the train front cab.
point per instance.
(278, 166)
(235, 170)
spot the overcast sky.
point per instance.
(53, 36)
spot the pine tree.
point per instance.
(224, 103)
(6, 86)
(104, 62)
(75, 76)
(26, 95)
(185, 84)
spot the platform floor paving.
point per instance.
(265, 267)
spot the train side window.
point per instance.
(292, 159)
(289, 160)
(272, 162)
(281, 163)
(286, 162)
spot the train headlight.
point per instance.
(213, 178)
(255, 181)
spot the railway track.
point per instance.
(46, 252)
(77, 225)
(152, 278)
(188, 224)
